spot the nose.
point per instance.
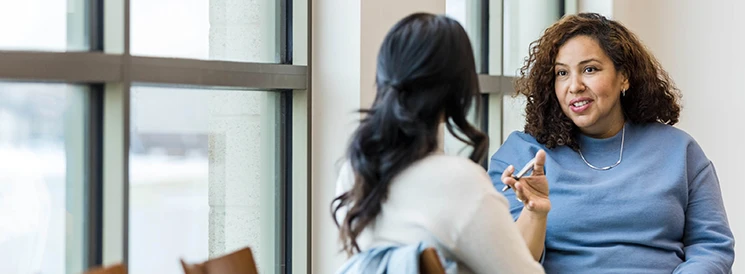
(576, 85)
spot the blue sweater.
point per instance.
(659, 211)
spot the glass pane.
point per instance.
(42, 196)
(233, 30)
(524, 22)
(300, 32)
(468, 14)
(300, 144)
(453, 146)
(495, 37)
(494, 103)
(44, 25)
(203, 176)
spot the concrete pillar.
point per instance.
(241, 174)
(242, 140)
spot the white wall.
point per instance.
(700, 45)
(336, 94)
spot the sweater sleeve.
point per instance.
(516, 151)
(490, 242)
(708, 241)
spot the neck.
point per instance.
(610, 128)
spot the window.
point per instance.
(501, 31)
(126, 137)
(42, 137)
(524, 22)
(204, 176)
(228, 30)
(51, 25)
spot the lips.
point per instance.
(579, 105)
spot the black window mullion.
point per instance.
(94, 145)
(285, 146)
(94, 177)
(483, 114)
(484, 31)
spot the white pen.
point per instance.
(527, 168)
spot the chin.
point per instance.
(583, 122)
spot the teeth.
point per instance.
(581, 103)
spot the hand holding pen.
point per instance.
(531, 190)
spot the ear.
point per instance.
(625, 85)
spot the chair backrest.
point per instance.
(239, 262)
(429, 262)
(113, 269)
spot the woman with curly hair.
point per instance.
(629, 193)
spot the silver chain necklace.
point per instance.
(620, 156)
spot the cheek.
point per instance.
(559, 92)
(560, 95)
(606, 89)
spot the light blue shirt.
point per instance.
(402, 259)
(659, 211)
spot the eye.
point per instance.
(561, 72)
(590, 69)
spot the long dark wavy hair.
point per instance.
(651, 97)
(426, 75)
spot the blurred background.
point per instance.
(148, 131)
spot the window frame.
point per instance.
(109, 70)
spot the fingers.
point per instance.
(536, 185)
(508, 172)
(508, 182)
(540, 161)
(520, 193)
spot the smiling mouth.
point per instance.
(580, 103)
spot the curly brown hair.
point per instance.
(652, 96)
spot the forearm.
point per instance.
(532, 226)
(703, 266)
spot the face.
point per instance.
(589, 87)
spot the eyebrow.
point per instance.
(580, 63)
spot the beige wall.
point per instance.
(700, 45)
(346, 38)
(336, 94)
(377, 18)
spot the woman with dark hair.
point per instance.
(398, 187)
(629, 193)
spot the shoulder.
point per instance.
(447, 165)
(461, 180)
(447, 172)
(673, 142)
(519, 147)
(517, 138)
(664, 132)
(669, 137)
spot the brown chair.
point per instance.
(113, 269)
(429, 262)
(239, 262)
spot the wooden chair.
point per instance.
(429, 262)
(113, 269)
(239, 262)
